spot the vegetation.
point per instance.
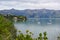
(22, 18)
(19, 18)
(28, 36)
(10, 17)
(7, 29)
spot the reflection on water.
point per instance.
(51, 26)
(43, 21)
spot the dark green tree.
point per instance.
(45, 36)
(7, 29)
(40, 36)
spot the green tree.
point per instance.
(7, 29)
(22, 18)
(40, 36)
(45, 37)
(26, 36)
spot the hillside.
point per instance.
(36, 13)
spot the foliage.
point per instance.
(19, 18)
(40, 36)
(8, 32)
(45, 37)
(7, 29)
(22, 18)
(28, 36)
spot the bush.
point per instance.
(7, 29)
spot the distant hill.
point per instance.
(36, 13)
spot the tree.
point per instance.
(26, 36)
(7, 29)
(40, 36)
(22, 18)
(45, 37)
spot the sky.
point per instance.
(30, 4)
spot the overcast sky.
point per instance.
(30, 4)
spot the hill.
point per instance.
(36, 13)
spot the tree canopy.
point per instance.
(7, 29)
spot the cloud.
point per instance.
(34, 1)
(29, 5)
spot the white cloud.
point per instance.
(28, 5)
(34, 0)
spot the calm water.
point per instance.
(51, 26)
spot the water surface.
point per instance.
(36, 26)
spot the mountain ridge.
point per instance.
(35, 13)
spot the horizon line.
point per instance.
(29, 9)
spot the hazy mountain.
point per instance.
(36, 13)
